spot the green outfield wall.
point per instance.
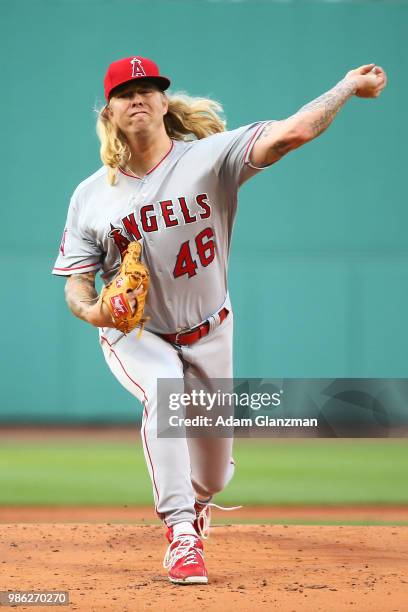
(319, 263)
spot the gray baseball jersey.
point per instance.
(182, 211)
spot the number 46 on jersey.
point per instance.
(202, 247)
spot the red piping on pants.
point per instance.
(146, 416)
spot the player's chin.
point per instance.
(139, 121)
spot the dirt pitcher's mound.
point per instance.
(251, 567)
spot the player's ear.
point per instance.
(107, 112)
(165, 103)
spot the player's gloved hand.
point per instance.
(125, 295)
(370, 80)
(99, 314)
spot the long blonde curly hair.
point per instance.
(187, 118)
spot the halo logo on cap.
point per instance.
(137, 68)
(133, 67)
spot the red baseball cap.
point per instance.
(130, 68)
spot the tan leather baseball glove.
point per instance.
(132, 275)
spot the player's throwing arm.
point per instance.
(314, 118)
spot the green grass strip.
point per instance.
(268, 472)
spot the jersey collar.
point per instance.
(140, 178)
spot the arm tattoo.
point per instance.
(309, 121)
(323, 110)
(281, 146)
(80, 293)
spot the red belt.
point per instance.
(184, 338)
